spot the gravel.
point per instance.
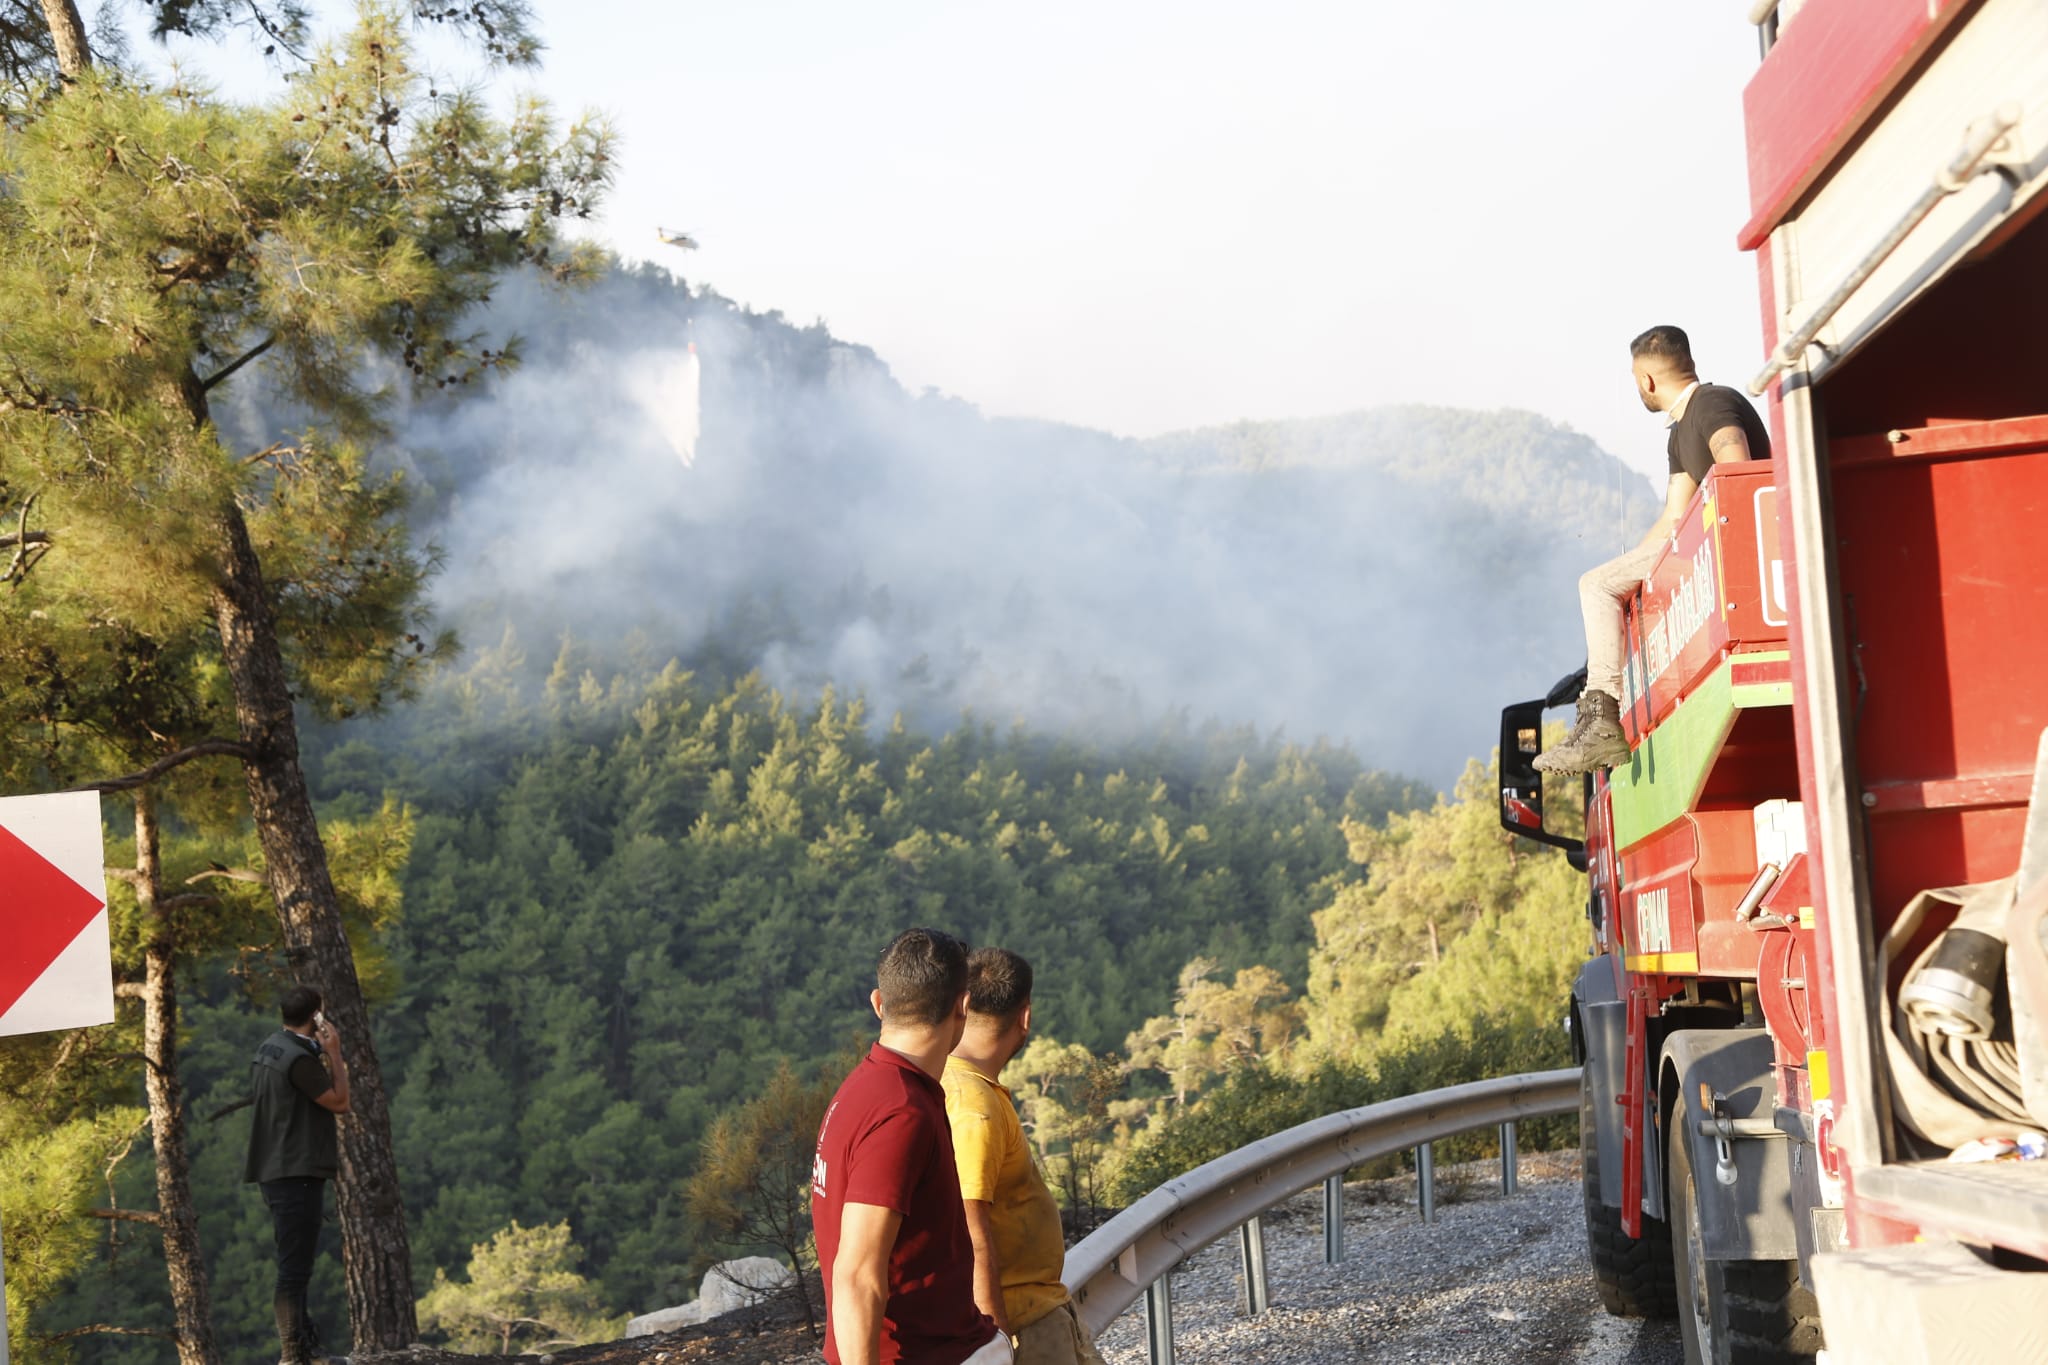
(1493, 1282)
(1494, 1279)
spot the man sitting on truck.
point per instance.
(1710, 424)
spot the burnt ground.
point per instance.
(771, 1334)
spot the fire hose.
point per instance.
(1958, 1073)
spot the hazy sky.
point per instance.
(1147, 215)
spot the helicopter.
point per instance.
(677, 239)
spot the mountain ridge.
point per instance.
(1362, 575)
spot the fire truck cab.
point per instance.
(1819, 889)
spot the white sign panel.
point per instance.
(56, 967)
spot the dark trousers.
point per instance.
(295, 1218)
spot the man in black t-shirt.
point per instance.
(298, 1082)
(1710, 424)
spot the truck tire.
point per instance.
(1633, 1273)
(1733, 1312)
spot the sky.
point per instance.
(1147, 216)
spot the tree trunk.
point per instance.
(1436, 952)
(186, 1268)
(376, 1259)
(67, 35)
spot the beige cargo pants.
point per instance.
(1602, 590)
(1056, 1339)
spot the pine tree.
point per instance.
(153, 246)
(752, 1187)
(523, 1287)
(48, 1176)
(1215, 1027)
(1433, 877)
(98, 697)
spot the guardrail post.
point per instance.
(1507, 1158)
(1251, 1252)
(1159, 1322)
(1333, 1219)
(1425, 1178)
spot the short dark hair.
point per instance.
(299, 1005)
(1666, 343)
(922, 974)
(998, 983)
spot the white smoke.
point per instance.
(783, 504)
(668, 385)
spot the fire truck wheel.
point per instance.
(1633, 1273)
(1737, 1312)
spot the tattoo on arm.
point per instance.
(1728, 444)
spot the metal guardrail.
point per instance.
(1133, 1252)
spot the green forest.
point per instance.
(587, 791)
(600, 911)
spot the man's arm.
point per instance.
(860, 1280)
(988, 1266)
(1728, 445)
(335, 1099)
(1677, 497)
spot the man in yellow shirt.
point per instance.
(1012, 1219)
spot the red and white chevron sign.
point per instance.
(56, 969)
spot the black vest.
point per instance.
(291, 1135)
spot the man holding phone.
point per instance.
(298, 1083)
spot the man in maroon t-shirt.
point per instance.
(885, 1195)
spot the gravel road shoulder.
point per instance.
(1494, 1279)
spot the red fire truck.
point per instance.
(1819, 888)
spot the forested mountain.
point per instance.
(625, 895)
(750, 687)
(1367, 577)
(768, 658)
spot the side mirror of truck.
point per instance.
(1521, 785)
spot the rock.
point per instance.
(727, 1286)
(665, 1320)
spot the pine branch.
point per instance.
(103, 1329)
(206, 385)
(233, 874)
(155, 1220)
(31, 398)
(275, 31)
(206, 748)
(272, 451)
(21, 541)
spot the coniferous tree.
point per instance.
(153, 246)
(1433, 877)
(68, 41)
(752, 1186)
(93, 696)
(1214, 1026)
(523, 1287)
(49, 1176)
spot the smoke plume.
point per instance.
(1388, 578)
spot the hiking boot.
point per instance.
(1595, 742)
